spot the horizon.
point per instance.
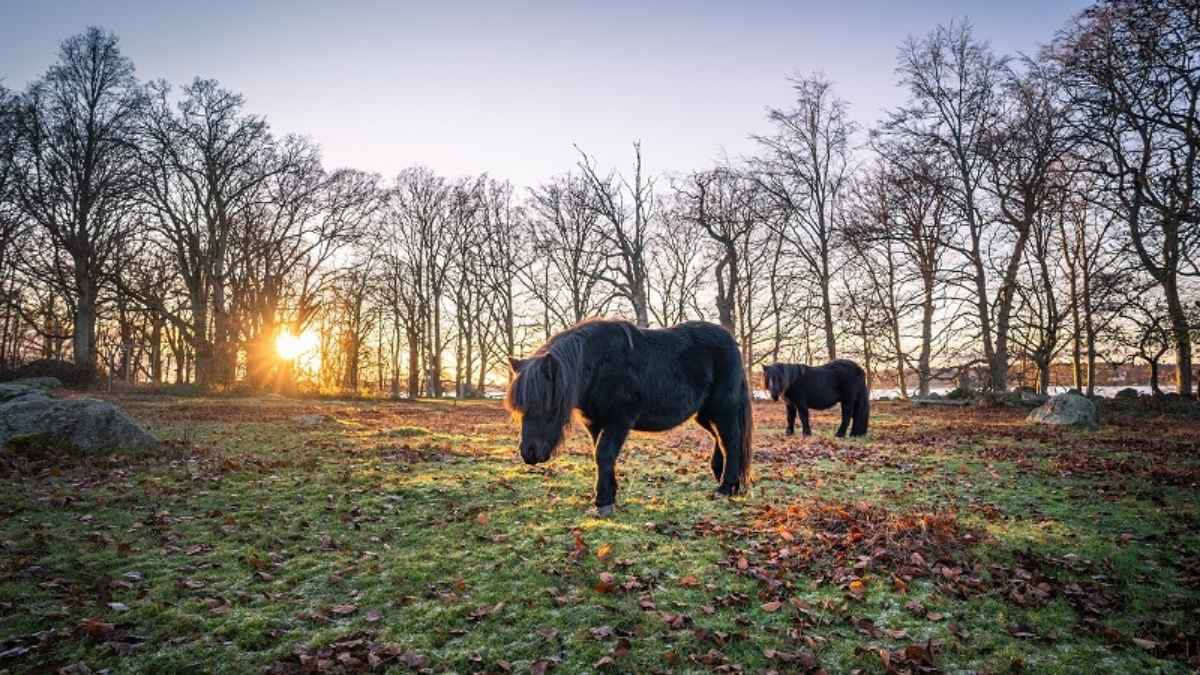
(692, 86)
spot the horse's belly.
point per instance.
(672, 405)
(659, 422)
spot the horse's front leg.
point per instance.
(805, 424)
(608, 447)
(791, 417)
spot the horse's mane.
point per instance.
(788, 372)
(549, 381)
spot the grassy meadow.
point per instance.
(285, 536)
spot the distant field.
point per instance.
(407, 536)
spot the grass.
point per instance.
(407, 536)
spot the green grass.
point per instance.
(250, 536)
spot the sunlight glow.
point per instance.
(291, 346)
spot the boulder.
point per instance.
(1127, 392)
(46, 383)
(64, 371)
(1030, 396)
(11, 391)
(1070, 409)
(960, 394)
(86, 424)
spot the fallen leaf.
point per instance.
(1145, 644)
(607, 581)
(95, 628)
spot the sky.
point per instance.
(509, 87)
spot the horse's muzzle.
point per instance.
(532, 456)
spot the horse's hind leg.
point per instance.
(729, 429)
(718, 457)
(847, 411)
(862, 414)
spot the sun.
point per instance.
(291, 346)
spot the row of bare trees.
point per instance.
(1010, 212)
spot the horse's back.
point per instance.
(673, 372)
(847, 377)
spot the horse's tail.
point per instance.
(747, 415)
(862, 418)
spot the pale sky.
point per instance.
(507, 87)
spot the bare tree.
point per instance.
(1132, 75)
(1093, 260)
(12, 234)
(806, 167)
(1026, 150)
(76, 172)
(626, 209)
(565, 230)
(676, 266)
(506, 254)
(285, 246)
(954, 88)
(722, 204)
(205, 163)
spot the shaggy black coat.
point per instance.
(820, 387)
(616, 377)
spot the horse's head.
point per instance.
(540, 397)
(776, 380)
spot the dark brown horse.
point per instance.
(820, 387)
(616, 377)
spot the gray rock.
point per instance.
(12, 391)
(45, 383)
(1029, 395)
(1070, 409)
(86, 424)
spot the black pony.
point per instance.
(617, 377)
(804, 387)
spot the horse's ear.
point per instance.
(516, 364)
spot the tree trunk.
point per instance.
(923, 367)
(1180, 333)
(156, 351)
(827, 315)
(83, 340)
(414, 365)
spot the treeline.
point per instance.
(1033, 209)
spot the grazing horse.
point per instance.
(820, 387)
(616, 377)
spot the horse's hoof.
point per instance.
(602, 511)
(789, 432)
(726, 491)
